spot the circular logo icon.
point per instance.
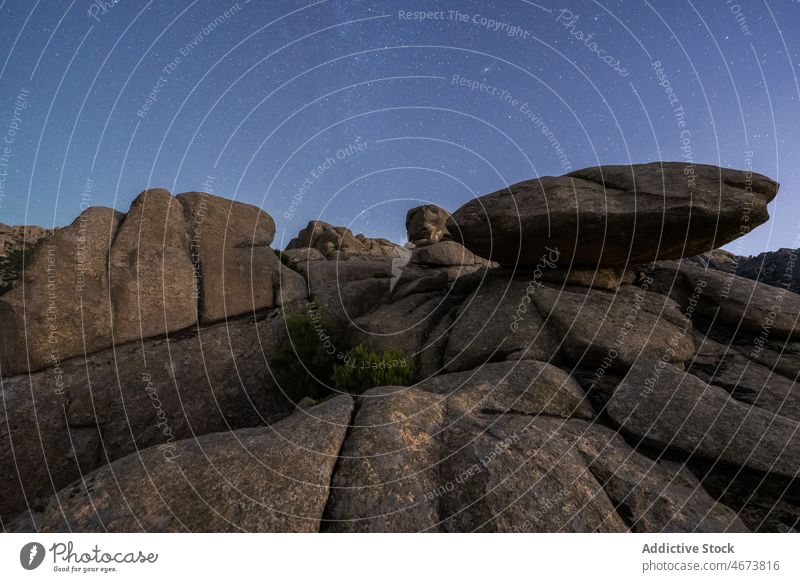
(31, 555)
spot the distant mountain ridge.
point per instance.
(775, 268)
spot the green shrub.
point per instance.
(303, 365)
(363, 370)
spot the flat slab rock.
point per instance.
(54, 427)
(670, 409)
(267, 479)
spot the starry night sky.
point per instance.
(357, 111)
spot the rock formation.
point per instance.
(584, 387)
(426, 224)
(339, 242)
(111, 278)
(615, 215)
(14, 241)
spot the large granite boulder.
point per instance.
(416, 460)
(523, 387)
(346, 290)
(669, 409)
(615, 215)
(426, 224)
(237, 272)
(151, 275)
(744, 379)
(266, 479)
(729, 300)
(63, 309)
(60, 423)
(497, 320)
(602, 330)
(446, 253)
(404, 325)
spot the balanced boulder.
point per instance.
(426, 224)
(615, 215)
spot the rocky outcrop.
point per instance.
(168, 264)
(614, 215)
(426, 224)
(229, 241)
(62, 422)
(63, 310)
(268, 479)
(14, 241)
(339, 242)
(417, 459)
(667, 408)
(151, 275)
(611, 396)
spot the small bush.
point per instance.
(363, 370)
(303, 365)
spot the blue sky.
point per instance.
(356, 111)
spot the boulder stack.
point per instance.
(571, 371)
(426, 224)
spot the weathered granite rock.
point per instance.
(670, 409)
(388, 463)
(346, 290)
(267, 479)
(415, 460)
(521, 387)
(498, 319)
(63, 422)
(151, 276)
(744, 379)
(303, 255)
(63, 310)
(338, 242)
(237, 272)
(775, 268)
(403, 325)
(606, 278)
(14, 242)
(426, 224)
(612, 330)
(653, 496)
(729, 300)
(446, 253)
(614, 215)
